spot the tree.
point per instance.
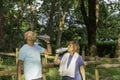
(63, 11)
(2, 42)
(109, 21)
(50, 25)
(91, 21)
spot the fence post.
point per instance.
(44, 62)
(96, 74)
(96, 69)
(16, 56)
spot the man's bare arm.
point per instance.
(48, 51)
(19, 69)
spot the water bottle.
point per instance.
(43, 37)
(61, 50)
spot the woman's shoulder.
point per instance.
(80, 57)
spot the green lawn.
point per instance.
(105, 74)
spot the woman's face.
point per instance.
(70, 48)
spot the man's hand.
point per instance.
(48, 51)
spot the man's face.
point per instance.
(30, 36)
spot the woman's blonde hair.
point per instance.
(76, 46)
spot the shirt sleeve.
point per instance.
(80, 61)
(41, 49)
(21, 55)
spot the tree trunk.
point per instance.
(118, 47)
(31, 16)
(49, 29)
(91, 20)
(61, 23)
(2, 42)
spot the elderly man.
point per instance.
(29, 56)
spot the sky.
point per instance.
(111, 0)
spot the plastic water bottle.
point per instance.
(61, 50)
(43, 37)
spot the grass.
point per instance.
(112, 73)
(105, 74)
(53, 74)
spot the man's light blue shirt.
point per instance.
(30, 55)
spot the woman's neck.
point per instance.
(71, 53)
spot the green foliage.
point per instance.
(108, 28)
(106, 48)
(18, 18)
(53, 74)
(110, 73)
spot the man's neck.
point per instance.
(30, 43)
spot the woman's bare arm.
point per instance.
(56, 59)
(82, 70)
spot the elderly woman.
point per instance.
(71, 63)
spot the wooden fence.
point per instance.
(10, 72)
(112, 63)
(115, 64)
(96, 61)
